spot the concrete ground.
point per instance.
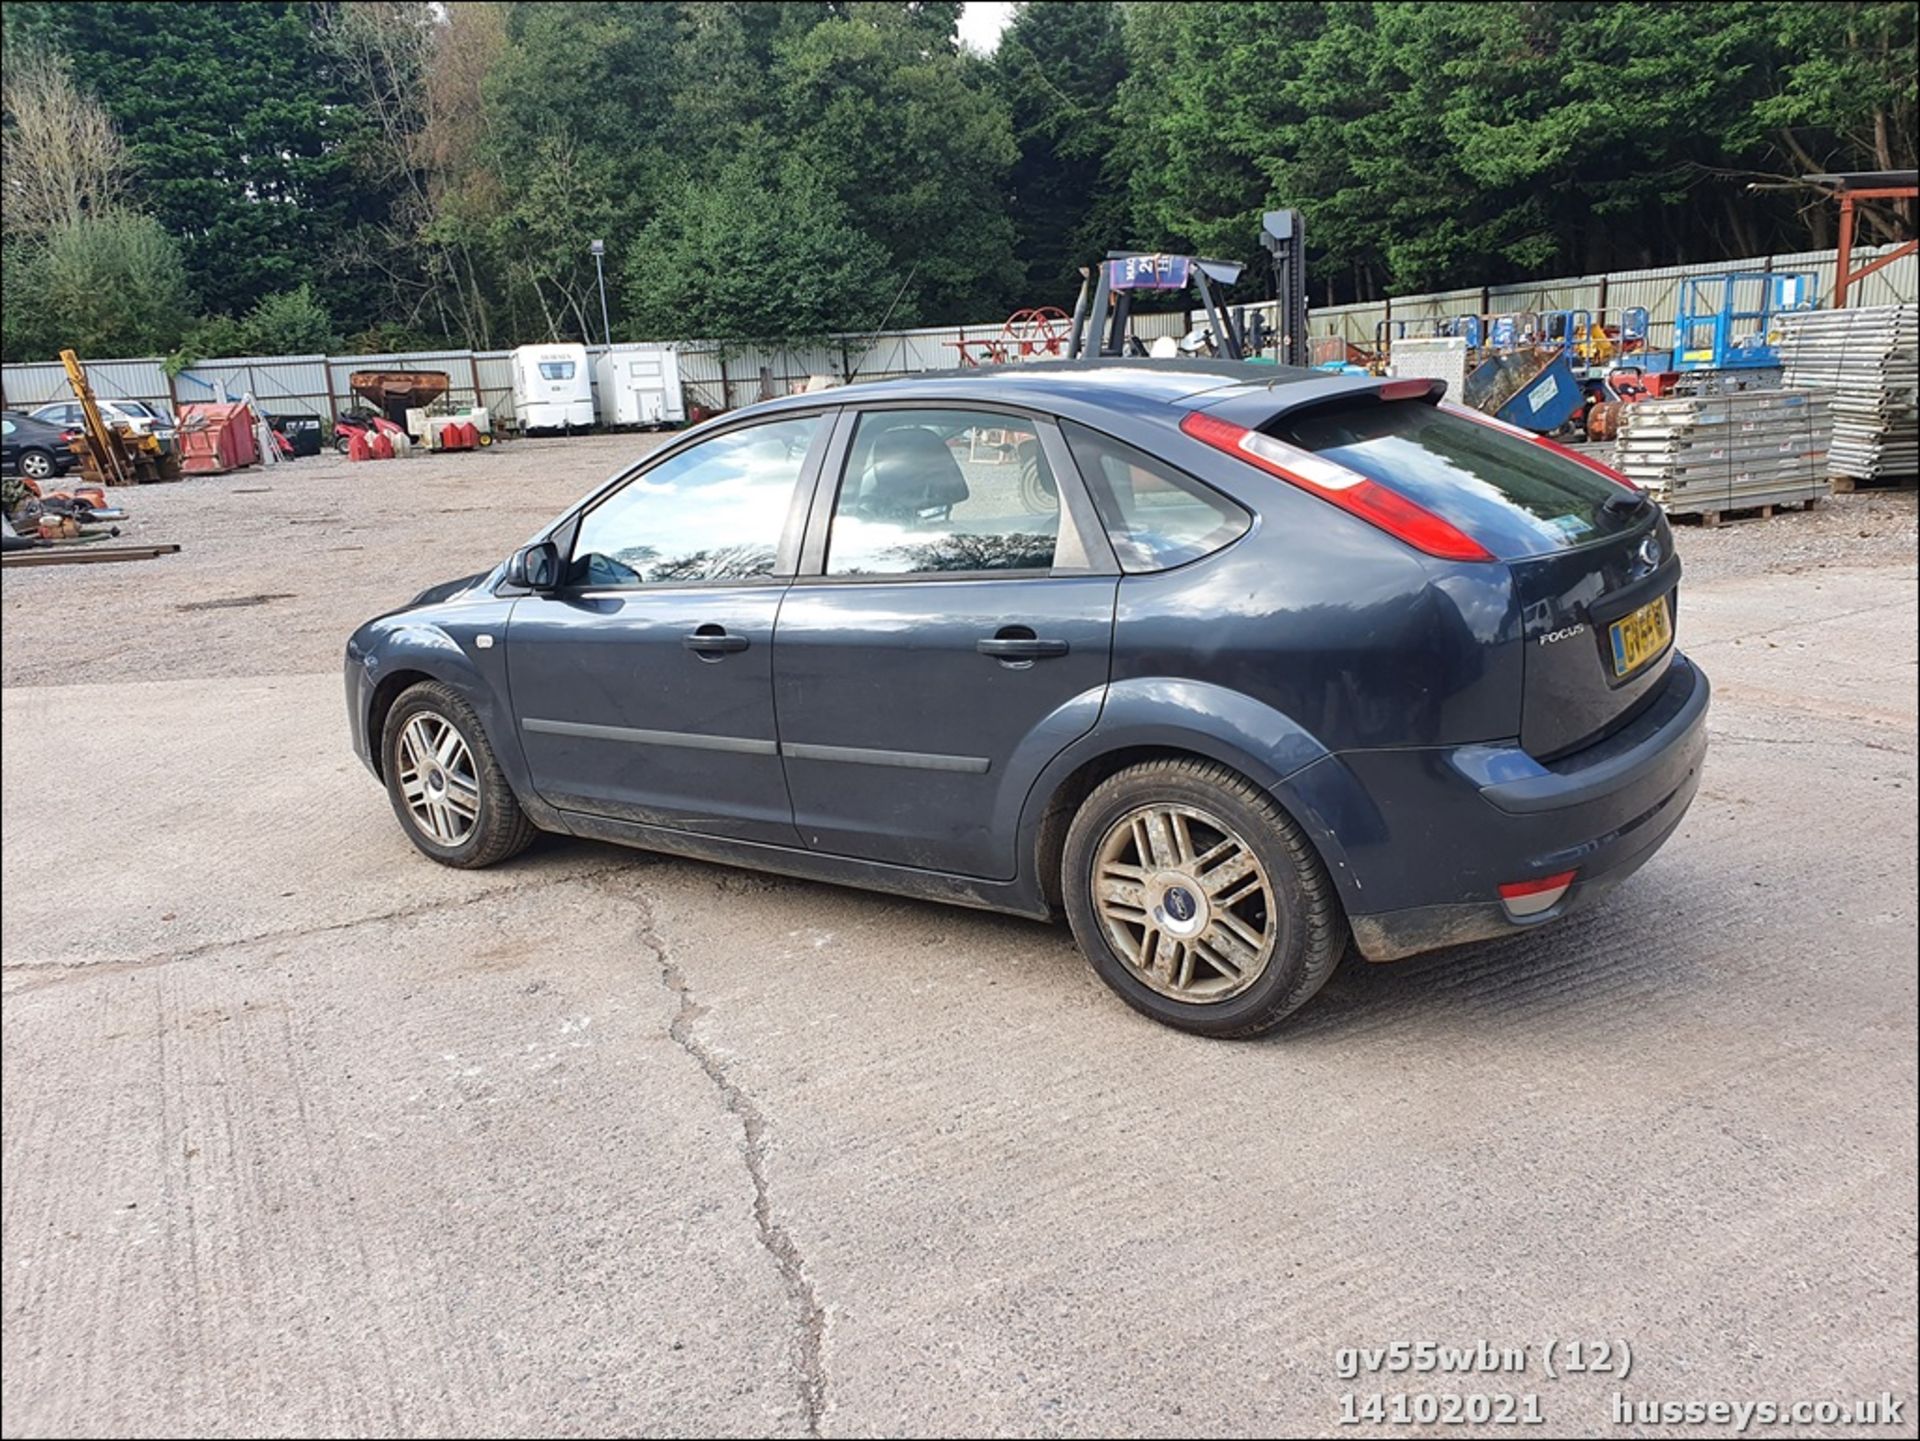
(304, 1134)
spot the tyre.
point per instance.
(36, 464)
(342, 444)
(1038, 493)
(1199, 900)
(447, 789)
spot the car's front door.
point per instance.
(949, 632)
(643, 686)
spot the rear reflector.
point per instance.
(1480, 417)
(1351, 491)
(1531, 898)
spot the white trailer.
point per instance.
(640, 385)
(552, 389)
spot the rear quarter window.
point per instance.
(1516, 498)
(1156, 517)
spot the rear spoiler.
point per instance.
(1258, 405)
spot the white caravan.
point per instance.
(552, 389)
(640, 385)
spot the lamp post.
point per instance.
(599, 249)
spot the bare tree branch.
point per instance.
(61, 159)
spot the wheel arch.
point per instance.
(388, 689)
(1306, 781)
(454, 645)
(1071, 792)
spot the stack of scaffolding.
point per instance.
(1703, 454)
(1868, 362)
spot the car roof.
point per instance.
(1167, 380)
(1158, 390)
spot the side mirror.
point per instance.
(537, 566)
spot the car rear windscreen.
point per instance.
(1514, 497)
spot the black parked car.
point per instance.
(34, 448)
(1265, 658)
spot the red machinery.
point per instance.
(362, 425)
(1040, 332)
(217, 437)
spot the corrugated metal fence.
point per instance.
(1657, 290)
(723, 374)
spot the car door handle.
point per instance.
(712, 640)
(1020, 647)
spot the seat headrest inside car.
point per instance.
(912, 470)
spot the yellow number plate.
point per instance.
(1640, 636)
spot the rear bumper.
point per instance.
(1457, 825)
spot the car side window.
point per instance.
(943, 491)
(1156, 517)
(713, 512)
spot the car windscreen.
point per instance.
(1515, 497)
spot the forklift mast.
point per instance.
(1284, 234)
(1102, 314)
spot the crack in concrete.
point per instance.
(1726, 738)
(810, 1369)
(53, 973)
(1781, 629)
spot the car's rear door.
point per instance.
(950, 631)
(643, 688)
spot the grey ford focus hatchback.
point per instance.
(1227, 664)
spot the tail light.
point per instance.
(1353, 492)
(1532, 437)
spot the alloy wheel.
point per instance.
(1185, 903)
(438, 779)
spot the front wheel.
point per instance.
(447, 790)
(1198, 899)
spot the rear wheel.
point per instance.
(1199, 900)
(37, 464)
(447, 789)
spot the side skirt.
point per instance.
(1013, 897)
